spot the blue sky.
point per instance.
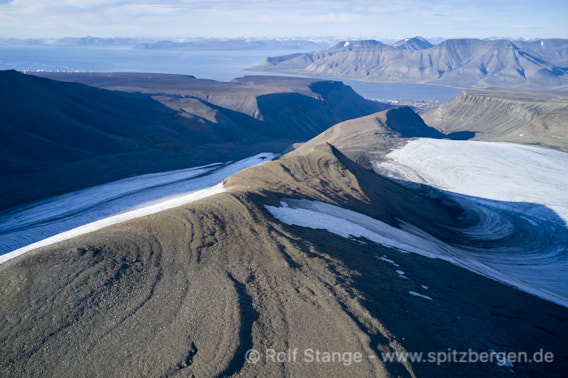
(284, 18)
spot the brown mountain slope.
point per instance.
(285, 106)
(507, 115)
(369, 138)
(188, 291)
(59, 136)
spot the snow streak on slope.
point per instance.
(515, 202)
(348, 223)
(516, 193)
(105, 222)
(137, 196)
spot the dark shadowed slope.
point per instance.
(188, 291)
(58, 136)
(506, 114)
(288, 105)
(62, 136)
(454, 62)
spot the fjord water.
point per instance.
(221, 65)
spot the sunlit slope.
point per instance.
(369, 138)
(190, 290)
(506, 114)
(463, 63)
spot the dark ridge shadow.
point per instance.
(248, 316)
(410, 125)
(535, 226)
(461, 135)
(467, 311)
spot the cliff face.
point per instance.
(505, 114)
(456, 62)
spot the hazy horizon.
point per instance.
(316, 38)
(357, 19)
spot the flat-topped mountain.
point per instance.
(265, 98)
(60, 136)
(454, 62)
(506, 114)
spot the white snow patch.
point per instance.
(518, 193)
(401, 274)
(493, 170)
(384, 258)
(59, 218)
(419, 295)
(424, 287)
(348, 223)
(501, 359)
(346, 44)
(165, 205)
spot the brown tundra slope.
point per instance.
(506, 115)
(188, 291)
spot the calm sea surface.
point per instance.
(216, 65)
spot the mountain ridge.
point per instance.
(465, 62)
(506, 114)
(370, 138)
(190, 290)
(62, 136)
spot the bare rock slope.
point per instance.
(506, 114)
(189, 291)
(454, 62)
(369, 138)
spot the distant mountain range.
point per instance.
(454, 62)
(179, 43)
(74, 41)
(237, 44)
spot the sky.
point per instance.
(352, 19)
